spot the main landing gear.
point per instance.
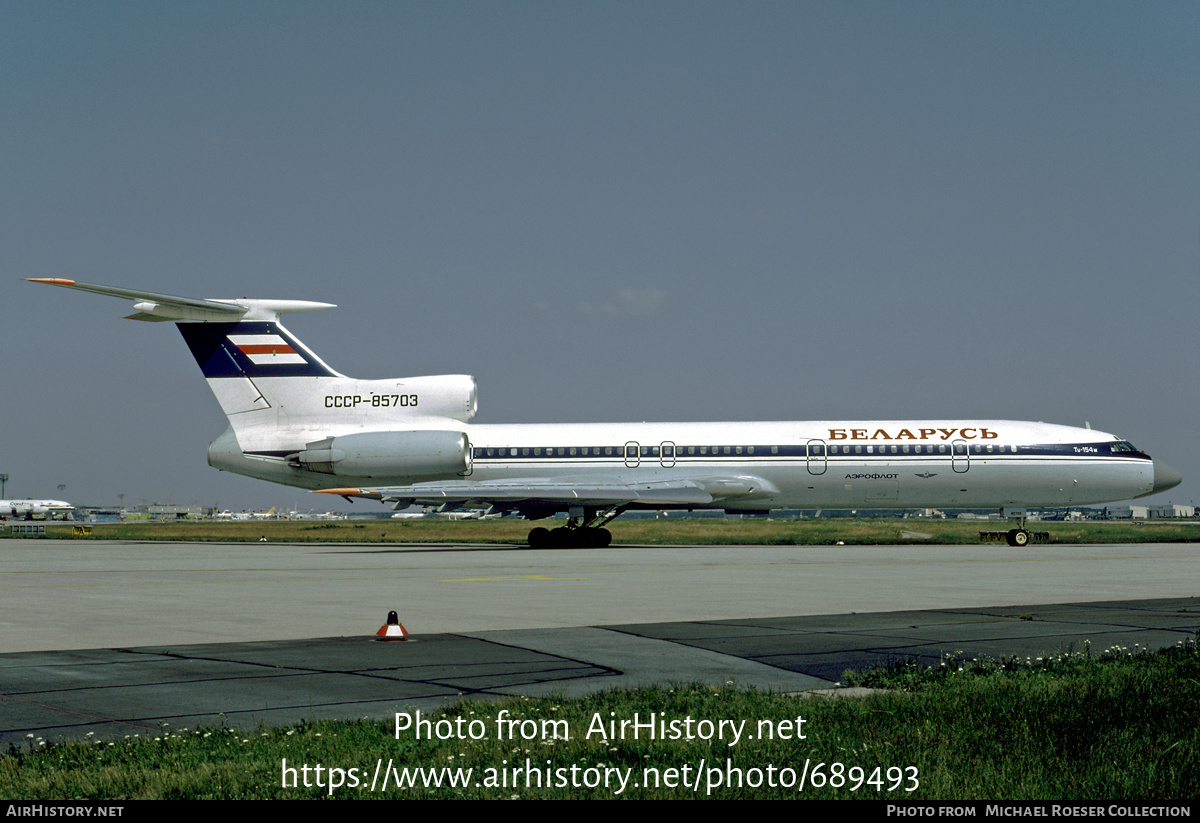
(567, 538)
(584, 530)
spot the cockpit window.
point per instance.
(1122, 446)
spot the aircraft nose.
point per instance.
(1165, 477)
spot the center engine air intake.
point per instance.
(391, 455)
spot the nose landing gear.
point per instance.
(1019, 537)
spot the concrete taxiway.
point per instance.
(191, 634)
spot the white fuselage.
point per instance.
(811, 464)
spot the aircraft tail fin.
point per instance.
(249, 360)
(256, 349)
(228, 338)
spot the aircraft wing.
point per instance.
(558, 494)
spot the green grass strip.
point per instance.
(1120, 725)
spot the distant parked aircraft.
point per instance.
(29, 509)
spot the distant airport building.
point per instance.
(1163, 510)
(179, 512)
(1126, 512)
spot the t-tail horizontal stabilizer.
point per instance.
(158, 308)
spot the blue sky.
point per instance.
(603, 211)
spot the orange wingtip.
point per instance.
(53, 281)
(338, 491)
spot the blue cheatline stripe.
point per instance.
(274, 354)
(769, 453)
(765, 454)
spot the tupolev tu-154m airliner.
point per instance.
(296, 421)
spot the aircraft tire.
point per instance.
(1018, 538)
(539, 538)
